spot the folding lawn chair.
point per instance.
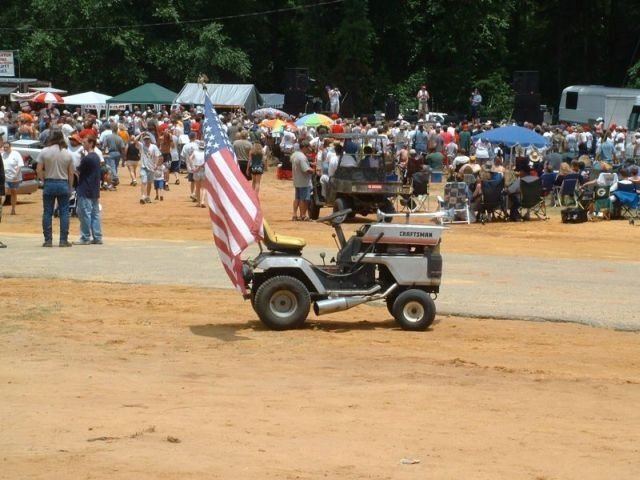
(585, 196)
(548, 180)
(568, 190)
(455, 204)
(627, 200)
(532, 200)
(492, 201)
(418, 199)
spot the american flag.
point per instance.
(233, 205)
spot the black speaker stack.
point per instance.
(295, 90)
(392, 108)
(527, 97)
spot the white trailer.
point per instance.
(587, 103)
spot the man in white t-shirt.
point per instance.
(13, 163)
(149, 158)
(190, 147)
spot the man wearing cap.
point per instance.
(423, 101)
(150, 156)
(88, 190)
(76, 150)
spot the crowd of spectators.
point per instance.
(153, 147)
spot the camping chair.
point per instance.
(601, 202)
(455, 204)
(492, 201)
(418, 199)
(548, 187)
(627, 200)
(585, 197)
(568, 190)
(532, 200)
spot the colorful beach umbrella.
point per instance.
(274, 124)
(314, 120)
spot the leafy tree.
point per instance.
(352, 67)
(634, 76)
(369, 48)
(497, 96)
(406, 91)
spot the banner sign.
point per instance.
(7, 68)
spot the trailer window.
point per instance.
(634, 118)
(571, 102)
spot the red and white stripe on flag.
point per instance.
(234, 208)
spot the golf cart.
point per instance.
(365, 188)
(399, 263)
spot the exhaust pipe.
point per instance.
(322, 307)
(331, 305)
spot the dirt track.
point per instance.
(108, 380)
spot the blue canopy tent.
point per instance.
(513, 136)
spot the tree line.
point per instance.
(369, 48)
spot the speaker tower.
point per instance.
(295, 90)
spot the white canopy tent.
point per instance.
(47, 90)
(222, 95)
(92, 101)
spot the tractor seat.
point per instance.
(281, 243)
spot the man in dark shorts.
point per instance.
(302, 170)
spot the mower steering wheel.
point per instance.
(338, 216)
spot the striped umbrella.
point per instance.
(48, 97)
